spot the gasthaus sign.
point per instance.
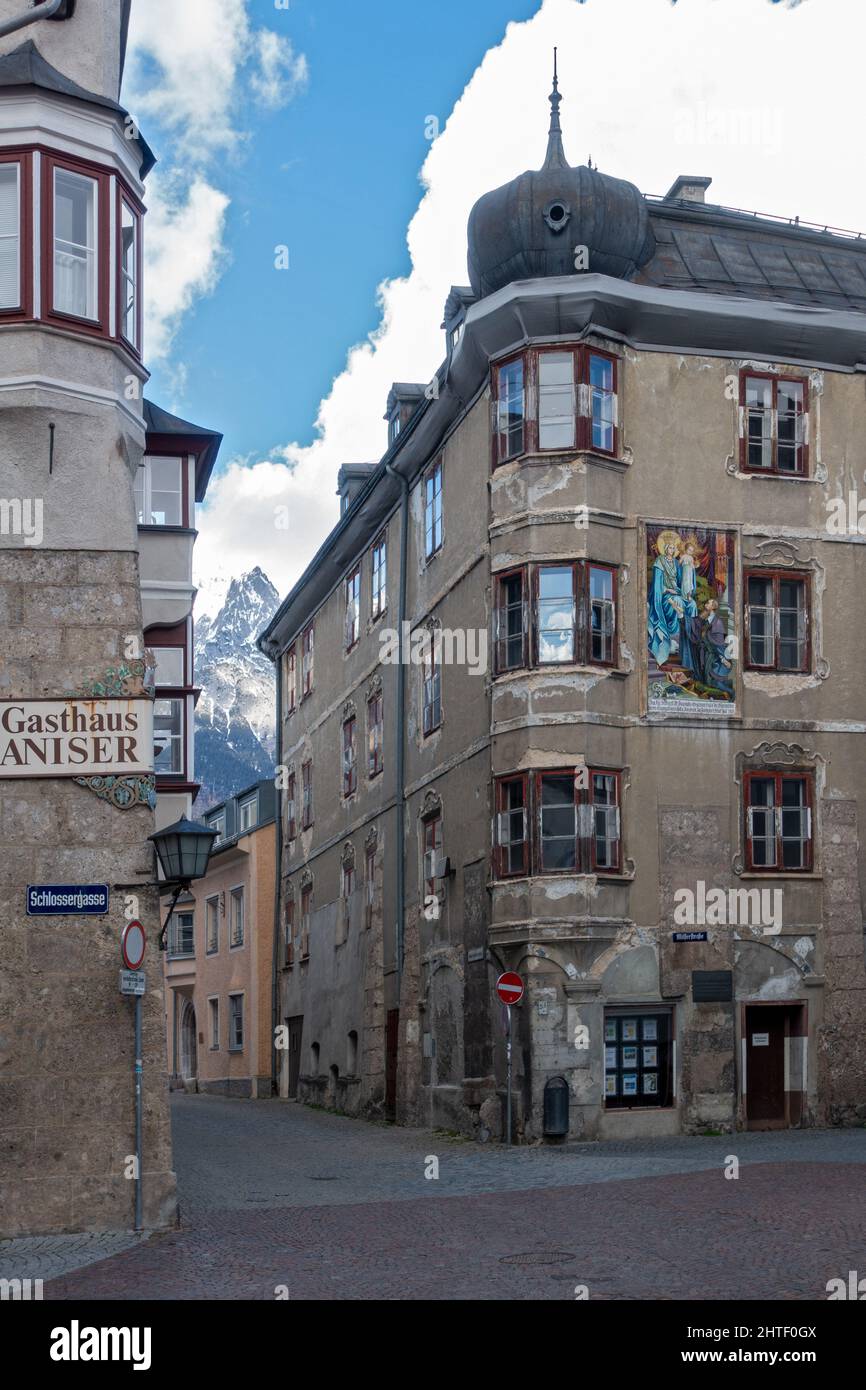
(75, 738)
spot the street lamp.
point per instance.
(183, 851)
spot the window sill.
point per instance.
(541, 457)
(236, 1049)
(566, 668)
(600, 876)
(793, 875)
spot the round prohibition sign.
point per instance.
(133, 944)
(509, 987)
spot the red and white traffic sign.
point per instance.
(133, 945)
(509, 987)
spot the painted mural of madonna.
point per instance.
(690, 617)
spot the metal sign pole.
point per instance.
(138, 1173)
(508, 1073)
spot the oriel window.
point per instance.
(571, 617)
(76, 212)
(10, 235)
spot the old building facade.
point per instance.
(612, 542)
(219, 965)
(80, 583)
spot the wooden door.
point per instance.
(296, 1028)
(765, 1067)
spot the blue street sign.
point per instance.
(689, 936)
(67, 899)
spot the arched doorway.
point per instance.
(188, 1047)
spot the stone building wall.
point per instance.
(66, 1054)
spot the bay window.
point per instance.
(76, 244)
(778, 814)
(128, 267)
(777, 620)
(561, 821)
(10, 235)
(168, 737)
(511, 410)
(159, 491)
(512, 828)
(571, 617)
(512, 621)
(169, 666)
(553, 399)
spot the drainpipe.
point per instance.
(401, 717)
(47, 10)
(275, 987)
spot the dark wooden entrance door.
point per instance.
(765, 1067)
(296, 1028)
(392, 1033)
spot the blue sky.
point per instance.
(334, 176)
(305, 127)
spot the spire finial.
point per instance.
(555, 154)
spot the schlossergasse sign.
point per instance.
(76, 737)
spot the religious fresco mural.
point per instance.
(691, 661)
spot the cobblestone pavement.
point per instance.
(46, 1257)
(280, 1197)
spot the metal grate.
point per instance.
(538, 1257)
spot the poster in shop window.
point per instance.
(629, 1084)
(691, 648)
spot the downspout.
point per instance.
(401, 718)
(47, 10)
(278, 865)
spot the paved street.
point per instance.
(277, 1196)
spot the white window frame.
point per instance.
(175, 740)
(233, 1046)
(237, 895)
(251, 803)
(91, 256)
(212, 913)
(129, 281)
(145, 492)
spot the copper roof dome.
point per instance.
(532, 226)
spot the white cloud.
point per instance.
(190, 69)
(185, 255)
(759, 96)
(281, 72)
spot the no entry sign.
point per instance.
(132, 945)
(509, 987)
